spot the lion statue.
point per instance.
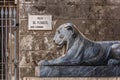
(82, 51)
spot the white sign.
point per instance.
(39, 22)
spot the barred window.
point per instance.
(7, 2)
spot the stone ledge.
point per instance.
(71, 78)
(77, 71)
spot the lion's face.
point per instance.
(63, 35)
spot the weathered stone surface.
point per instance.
(77, 71)
(26, 42)
(55, 10)
(34, 42)
(107, 29)
(27, 71)
(29, 57)
(110, 12)
(113, 2)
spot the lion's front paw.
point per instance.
(112, 62)
(43, 62)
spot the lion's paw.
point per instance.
(43, 62)
(113, 62)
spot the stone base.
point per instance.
(77, 71)
(71, 78)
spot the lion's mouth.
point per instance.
(59, 46)
(62, 47)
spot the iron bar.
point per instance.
(2, 13)
(4, 19)
(6, 1)
(10, 15)
(15, 60)
(5, 26)
(6, 13)
(8, 6)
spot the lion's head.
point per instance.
(64, 34)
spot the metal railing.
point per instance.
(8, 39)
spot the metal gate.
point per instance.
(9, 40)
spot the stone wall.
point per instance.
(96, 19)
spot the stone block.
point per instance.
(113, 2)
(54, 10)
(110, 12)
(77, 71)
(107, 29)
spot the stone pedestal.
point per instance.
(77, 71)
